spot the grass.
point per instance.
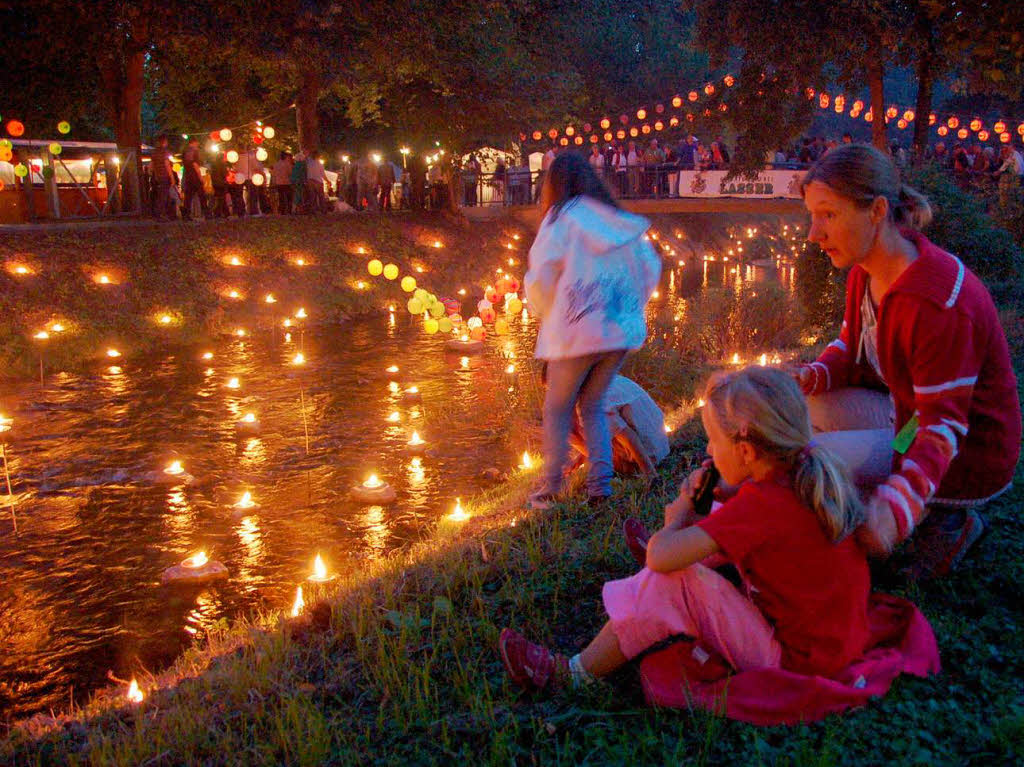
(397, 663)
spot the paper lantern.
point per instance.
(569, 130)
(673, 122)
(858, 105)
(5, 143)
(15, 128)
(593, 138)
(983, 135)
(952, 122)
(261, 154)
(421, 294)
(677, 101)
(514, 306)
(840, 102)
(975, 125)
(999, 127)
(578, 140)
(231, 156)
(488, 315)
(943, 130)
(537, 135)
(709, 89)
(645, 129)
(408, 284)
(553, 134)
(444, 325)
(634, 132)
(729, 81)
(1005, 138)
(491, 294)
(1020, 129)
(963, 133)
(214, 136)
(455, 318)
(586, 127)
(909, 115)
(890, 113)
(415, 306)
(64, 127)
(436, 309)
(225, 134)
(483, 303)
(932, 118)
(55, 148)
(624, 119)
(20, 170)
(608, 136)
(268, 132)
(375, 267)
(451, 305)
(431, 326)
(257, 139)
(474, 322)
(692, 96)
(390, 272)
(257, 179)
(5, 154)
(477, 334)
(869, 116)
(809, 93)
(641, 114)
(901, 123)
(501, 326)
(823, 100)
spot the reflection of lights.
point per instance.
(166, 319)
(700, 402)
(393, 418)
(232, 383)
(301, 313)
(437, 244)
(299, 359)
(42, 335)
(299, 604)
(527, 461)
(510, 369)
(393, 387)
(464, 361)
(134, 694)
(240, 332)
(235, 261)
(207, 355)
(270, 299)
(462, 291)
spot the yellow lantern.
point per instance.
(375, 267)
(975, 125)
(55, 148)
(431, 325)
(261, 154)
(909, 115)
(641, 114)
(415, 306)
(390, 272)
(225, 134)
(408, 284)
(999, 127)
(232, 156)
(64, 127)
(268, 132)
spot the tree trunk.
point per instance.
(123, 81)
(925, 79)
(306, 117)
(876, 72)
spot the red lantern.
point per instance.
(257, 139)
(692, 96)
(810, 93)
(537, 135)
(858, 106)
(488, 315)
(512, 284)
(909, 115)
(999, 127)
(660, 108)
(890, 113)
(901, 124)
(983, 135)
(620, 134)
(522, 137)
(624, 119)
(593, 138)
(553, 134)
(932, 118)
(586, 127)
(608, 136)
(15, 128)
(645, 129)
(673, 122)
(214, 135)
(975, 125)
(634, 132)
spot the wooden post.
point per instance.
(28, 189)
(113, 176)
(50, 188)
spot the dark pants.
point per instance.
(220, 202)
(194, 188)
(384, 197)
(284, 199)
(237, 200)
(161, 196)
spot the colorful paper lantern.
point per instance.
(677, 101)
(375, 267)
(537, 135)
(488, 315)
(474, 322)
(15, 128)
(408, 284)
(478, 334)
(444, 325)
(569, 130)
(943, 130)
(415, 306)
(64, 127)
(514, 305)
(1005, 138)
(390, 272)
(20, 170)
(431, 325)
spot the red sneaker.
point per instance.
(636, 539)
(531, 666)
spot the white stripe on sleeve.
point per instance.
(946, 386)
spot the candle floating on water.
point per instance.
(301, 313)
(207, 355)
(373, 490)
(299, 359)
(249, 424)
(458, 513)
(394, 417)
(393, 369)
(232, 383)
(245, 503)
(196, 560)
(319, 571)
(113, 353)
(412, 394)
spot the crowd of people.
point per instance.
(899, 433)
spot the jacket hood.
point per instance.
(600, 227)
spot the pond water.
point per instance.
(80, 591)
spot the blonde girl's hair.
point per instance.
(765, 407)
(861, 173)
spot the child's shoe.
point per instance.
(532, 666)
(636, 539)
(942, 541)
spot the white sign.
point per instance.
(712, 183)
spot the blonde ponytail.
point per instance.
(913, 209)
(765, 407)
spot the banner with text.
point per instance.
(712, 183)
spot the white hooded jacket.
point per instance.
(590, 277)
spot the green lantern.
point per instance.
(55, 149)
(20, 170)
(64, 127)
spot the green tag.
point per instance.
(905, 438)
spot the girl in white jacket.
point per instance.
(590, 277)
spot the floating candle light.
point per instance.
(232, 383)
(361, 285)
(240, 332)
(234, 294)
(299, 605)
(412, 394)
(301, 313)
(394, 417)
(392, 369)
(437, 244)
(287, 322)
(236, 261)
(361, 250)
(527, 461)
(300, 262)
(458, 513)
(656, 294)
(299, 359)
(57, 327)
(42, 335)
(373, 490)
(249, 424)
(465, 344)
(22, 270)
(134, 694)
(393, 387)
(193, 570)
(464, 362)
(207, 355)
(245, 503)
(319, 571)
(103, 279)
(166, 319)
(700, 402)
(462, 291)
(113, 353)
(196, 560)
(510, 369)
(270, 299)
(415, 440)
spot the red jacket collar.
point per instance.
(934, 275)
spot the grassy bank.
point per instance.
(185, 271)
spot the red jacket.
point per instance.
(943, 355)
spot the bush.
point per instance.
(963, 227)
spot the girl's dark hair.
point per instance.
(569, 177)
(861, 173)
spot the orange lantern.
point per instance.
(975, 125)
(587, 127)
(673, 122)
(932, 118)
(909, 115)
(608, 136)
(569, 130)
(983, 135)
(641, 114)
(564, 141)
(1020, 129)
(537, 135)
(578, 140)
(840, 102)
(901, 123)
(869, 116)
(593, 138)
(858, 105)
(999, 127)
(605, 123)
(952, 122)
(553, 134)
(890, 113)
(729, 81)
(962, 133)
(677, 101)
(723, 107)
(634, 132)
(709, 89)
(810, 93)
(943, 130)
(15, 128)
(692, 96)
(659, 125)
(645, 129)
(620, 134)
(1005, 137)
(823, 100)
